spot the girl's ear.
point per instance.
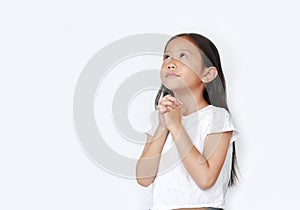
(209, 74)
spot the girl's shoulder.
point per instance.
(217, 112)
(221, 120)
(211, 112)
(218, 109)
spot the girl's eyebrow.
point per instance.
(181, 50)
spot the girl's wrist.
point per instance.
(175, 128)
(162, 126)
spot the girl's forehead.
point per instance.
(180, 43)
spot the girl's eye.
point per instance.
(182, 55)
(166, 57)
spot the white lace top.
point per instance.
(173, 187)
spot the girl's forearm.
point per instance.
(148, 163)
(195, 162)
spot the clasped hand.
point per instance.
(169, 112)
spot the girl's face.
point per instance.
(182, 65)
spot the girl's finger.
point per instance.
(169, 108)
(170, 98)
(168, 103)
(175, 100)
(163, 110)
(162, 100)
(160, 107)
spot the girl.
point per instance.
(192, 167)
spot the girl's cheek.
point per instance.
(164, 65)
(162, 76)
(188, 65)
(163, 70)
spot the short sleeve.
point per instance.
(151, 123)
(221, 122)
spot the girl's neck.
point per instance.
(192, 100)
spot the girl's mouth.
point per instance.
(171, 75)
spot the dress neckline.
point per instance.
(197, 111)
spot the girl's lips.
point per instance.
(172, 75)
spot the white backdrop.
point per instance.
(44, 47)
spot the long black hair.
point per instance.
(215, 91)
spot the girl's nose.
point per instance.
(171, 66)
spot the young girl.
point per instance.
(192, 167)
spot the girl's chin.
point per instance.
(175, 88)
(175, 85)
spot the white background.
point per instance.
(44, 46)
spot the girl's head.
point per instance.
(196, 61)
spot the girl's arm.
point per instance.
(147, 165)
(203, 168)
